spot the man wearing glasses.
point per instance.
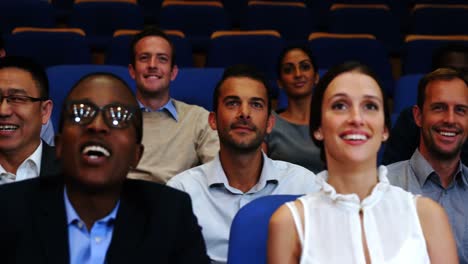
(92, 213)
(24, 107)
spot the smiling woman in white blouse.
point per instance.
(357, 217)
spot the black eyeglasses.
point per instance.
(18, 99)
(115, 115)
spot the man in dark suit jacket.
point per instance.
(91, 213)
(24, 107)
(50, 165)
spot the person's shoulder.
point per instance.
(294, 178)
(396, 168)
(289, 168)
(20, 186)
(184, 108)
(29, 190)
(396, 172)
(429, 210)
(464, 169)
(152, 191)
(191, 177)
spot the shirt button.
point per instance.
(98, 239)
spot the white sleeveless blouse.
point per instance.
(332, 231)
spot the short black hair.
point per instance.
(242, 70)
(138, 120)
(36, 70)
(439, 55)
(302, 48)
(446, 74)
(324, 82)
(151, 31)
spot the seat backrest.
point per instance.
(49, 46)
(151, 10)
(119, 49)
(197, 19)
(433, 19)
(259, 48)
(196, 86)
(374, 19)
(101, 19)
(63, 77)
(249, 229)
(418, 51)
(296, 21)
(25, 13)
(406, 92)
(332, 49)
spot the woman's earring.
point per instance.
(318, 135)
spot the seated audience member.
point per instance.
(405, 134)
(357, 216)
(289, 139)
(47, 130)
(241, 172)
(24, 108)
(177, 135)
(435, 169)
(91, 213)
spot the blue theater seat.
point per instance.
(259, 48)
(100, 19)
(196, 86)
(331, 49)
(293, 20)
(249, 229)
(197, 19)
(50, 46)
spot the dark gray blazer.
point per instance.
(50, 165)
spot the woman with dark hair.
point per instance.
(290, 139)
(357, 216)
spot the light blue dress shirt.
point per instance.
(215, 202)
(169, 107)
(417, 176)
(88, 246)
(47, 133)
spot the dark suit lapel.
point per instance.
(50, 221)
(50, 165)
(129, 228)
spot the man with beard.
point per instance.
(435, 169)
(240, 172)
(404, 136)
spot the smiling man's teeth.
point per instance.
(354, 137)
(96, 151)
(8, 127)
(447, 134)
